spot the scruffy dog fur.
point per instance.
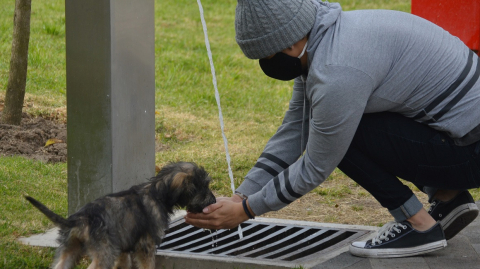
(118, 228)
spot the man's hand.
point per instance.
(226, 213)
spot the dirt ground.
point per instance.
(36, 138)
(335, 201)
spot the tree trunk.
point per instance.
(12, 113)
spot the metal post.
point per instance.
(110, 96)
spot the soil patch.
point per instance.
(36, 138)
(42, 138)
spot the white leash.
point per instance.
(217, 97)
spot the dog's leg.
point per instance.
(145, 253)
(100, 261)
(64, 262)
(67, 255)
(124, 261)
(94, 264)
(103, 256)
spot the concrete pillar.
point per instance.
(110, 96)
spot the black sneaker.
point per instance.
(399, 239)
(455, 214)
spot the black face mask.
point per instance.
(282, 66)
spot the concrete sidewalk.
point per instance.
(462, 252)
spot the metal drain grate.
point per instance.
(263, 242)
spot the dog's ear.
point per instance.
(178, 180)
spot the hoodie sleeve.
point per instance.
(338, 97)
(283, 148)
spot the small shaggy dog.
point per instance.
(112, 227)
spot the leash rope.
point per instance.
(217, 97)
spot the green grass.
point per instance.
(187, 121)
(46, 182)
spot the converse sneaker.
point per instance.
(455, 214)
(399, 239)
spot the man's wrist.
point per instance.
(243, 217)
(238, 197)
(247, 209)
(241, 195)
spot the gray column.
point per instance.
(110, 96)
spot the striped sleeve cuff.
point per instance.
(257, 204)
(275, 195)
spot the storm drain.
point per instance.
(263, 242)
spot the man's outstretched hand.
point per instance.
(226, 213)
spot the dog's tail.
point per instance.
(56, 219)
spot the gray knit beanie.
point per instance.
(265, 27)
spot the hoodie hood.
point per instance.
(327, 15)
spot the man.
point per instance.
(380, 94)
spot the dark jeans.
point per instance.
(389, 145)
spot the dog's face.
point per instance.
(188, 186)
(199, 197)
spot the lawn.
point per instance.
(187, 118)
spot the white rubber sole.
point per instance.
(397, 252)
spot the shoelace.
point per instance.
(387, 230)
(432, 205)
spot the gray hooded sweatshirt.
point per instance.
(363, 62)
